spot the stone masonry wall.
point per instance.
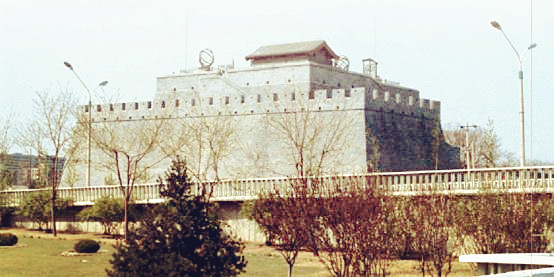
(374, 112)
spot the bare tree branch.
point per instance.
(53, 124)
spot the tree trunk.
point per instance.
(53, 213)
(126, 218)
(290, 269)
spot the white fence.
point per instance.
(516, 179)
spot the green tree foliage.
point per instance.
(7, 178)
(38, 206)
(108, 211)
(6, 212)
(183, 237)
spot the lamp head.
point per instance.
(103, 83)
(496, 25)
(532, 46)
(68, 65)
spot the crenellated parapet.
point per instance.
(406, 102)
(191, 103)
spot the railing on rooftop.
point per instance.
(515, 179)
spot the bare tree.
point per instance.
(53, 123)
(313, 140)
(6, 139)
(482, 148)
(7, 177)
(130, 149)
(427, 225)
(205, 142)
(506, 222)
(358, 232)
(286, 218)
(30, 138)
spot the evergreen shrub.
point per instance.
(86, 246)
(8, 239)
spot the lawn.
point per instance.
(34, 256)
(40, 254)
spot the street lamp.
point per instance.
(496, 25)
(89, 108)
(467, 126)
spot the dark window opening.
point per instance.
(123, 106)
(292, 97)
(346, 93)
(211, 100)
(136, 106)
(242, 99)
(149, 104)
(311, 95)
(329, 94)
(259, 98)
(226, 100)
(86, 109)
(177, 103)
(163, 104)
(111, 107)
(275, 97)
(98, 108)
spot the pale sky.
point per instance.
(445, 49)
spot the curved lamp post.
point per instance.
(496, 25)
(89, 108)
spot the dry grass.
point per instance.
(268, 262)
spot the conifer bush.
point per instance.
(181, 237)
(8, 239)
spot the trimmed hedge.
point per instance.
(8, 239)
(86, 246)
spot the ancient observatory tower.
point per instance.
(296, 110)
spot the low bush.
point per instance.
(8, 239)
(7, 215)
(86, 246)
(72, 229)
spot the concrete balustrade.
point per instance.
(519, 179)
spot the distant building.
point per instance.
(393, 129)
(27, 170)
